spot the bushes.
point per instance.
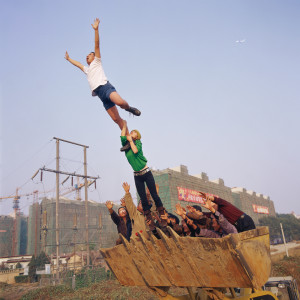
(21, 279)
(47, 292)
(88, 276)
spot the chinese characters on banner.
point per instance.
(260, 209)
(189, 195)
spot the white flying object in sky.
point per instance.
(241, 41)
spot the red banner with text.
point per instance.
(260, 209)
(189, 195)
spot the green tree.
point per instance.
(41, 260)
(290, 223)
(32, 269)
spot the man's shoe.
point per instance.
(134, 111)
(125, 147)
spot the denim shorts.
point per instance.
(103, 92)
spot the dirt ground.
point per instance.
(15, 291)
(288, 266)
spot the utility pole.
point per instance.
(56, 209)
(57, 171)
(286, 250)
(85, 176)
(86, 208)
(74, 238)
(36, 208)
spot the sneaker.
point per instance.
(125, 147)
(134, 111)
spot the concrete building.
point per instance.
(6, 231)
(42, 220)
(11, 261)
(177, 185)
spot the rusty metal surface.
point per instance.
(238, 260)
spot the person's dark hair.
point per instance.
(174, 217)
(93, 52)
(197, 207)
(122, 207)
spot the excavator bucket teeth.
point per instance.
(238, 260)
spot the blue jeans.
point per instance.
(103, 92)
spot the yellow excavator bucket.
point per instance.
(237, 260)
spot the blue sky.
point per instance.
(220, 107)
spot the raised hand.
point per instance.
(203, 195)
(96, 24)
(67, 55)
(189, 222)
(164, 217)
(209, 205)
(156, 217)
(210, 197)
(123, 202)
(126, 187)
(179, 210)
(129, 138)
(109, 205)
(191, 208)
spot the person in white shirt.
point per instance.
(99, 84)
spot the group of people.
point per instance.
(132, 221)
(222, 218)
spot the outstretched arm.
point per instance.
(97, 42)
(124, 131)
(73, 62)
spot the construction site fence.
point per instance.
(85, 277)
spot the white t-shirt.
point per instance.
(95, 74)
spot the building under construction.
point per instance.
(176, 185)
(13, 243)
(72, 226)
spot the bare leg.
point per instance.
(118, 100)
(114, 114)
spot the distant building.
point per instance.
(176, 185)
(296, 216)
(42, 224)
(6, 235)
(11, 261)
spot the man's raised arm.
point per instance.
(73, 62)
(97, 43)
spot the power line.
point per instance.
(26, 161)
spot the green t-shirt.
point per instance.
(137, 160)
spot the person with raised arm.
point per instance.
(236, 217)
(142, 174)
(219, 223)
(99, 84)
(121, 219)
(135, 214)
